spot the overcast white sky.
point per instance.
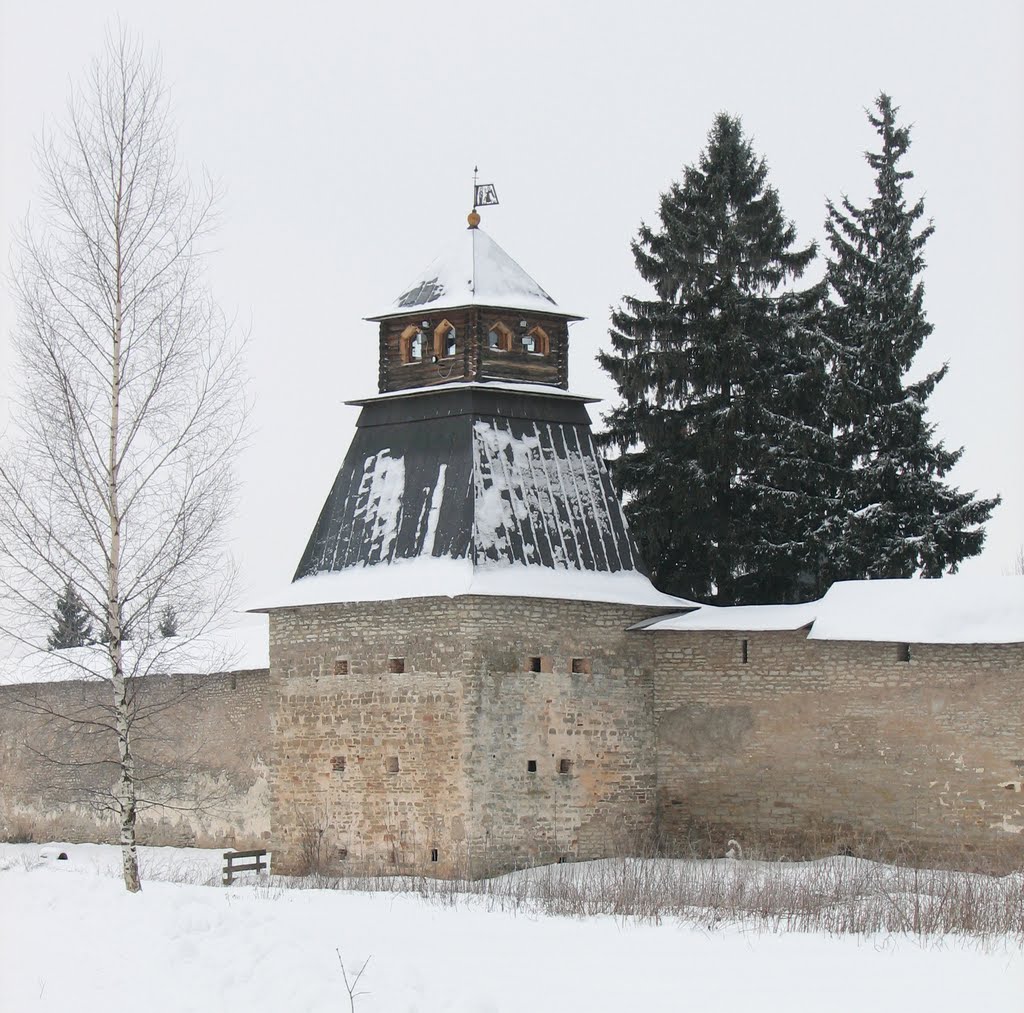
(346, 135)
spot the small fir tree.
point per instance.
(721, 430)
(895, 516)
(168, 626)
(72, 624)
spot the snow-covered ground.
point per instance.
(72, 939)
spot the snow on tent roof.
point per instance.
(472, 504)
(950, 610)
(429, 576)
(473, 271)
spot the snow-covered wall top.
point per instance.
(241, 645)
(953, 610)
(473, 271)
(750, 618)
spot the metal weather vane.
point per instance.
(484, 194)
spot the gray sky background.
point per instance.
(346, 135)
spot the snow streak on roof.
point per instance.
(951, 610)
(474, 271)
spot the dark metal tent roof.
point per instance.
(470, 474)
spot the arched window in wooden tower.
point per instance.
(445, 345)
(536, 341)
(499, 337)
(410, 344)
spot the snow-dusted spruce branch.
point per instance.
(118, 479)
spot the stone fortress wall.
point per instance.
(675, 740)
(658, 738)
(205, 746)
(813, 746)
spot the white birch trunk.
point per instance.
(126, 783)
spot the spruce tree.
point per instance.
(168, 625)
(721, 430)
(895, 515)
(72, 625)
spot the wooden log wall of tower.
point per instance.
(473, 315)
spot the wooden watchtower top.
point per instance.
(473, 314)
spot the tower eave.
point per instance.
(533, 390)
(519, 306)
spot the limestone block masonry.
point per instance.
(466, 735)
(475, 734)
(201, 745)
(805, 747)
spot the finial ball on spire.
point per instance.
(473, 218)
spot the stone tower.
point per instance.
(455, 688)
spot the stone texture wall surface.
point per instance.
(201, 745)
(812, 745)
(466, 760)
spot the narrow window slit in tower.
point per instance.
(744, 646)
(396, 665)
(903, 652)
(531, 766)
(533, 664)
(581, 666)
(433, 854)
(565, 766)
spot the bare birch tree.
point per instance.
(129, 410)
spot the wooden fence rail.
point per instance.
(234, 862)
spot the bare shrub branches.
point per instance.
(834, 895)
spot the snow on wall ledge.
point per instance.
(241, 644)
(426, 577)
(950, 610)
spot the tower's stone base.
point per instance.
(466, 762)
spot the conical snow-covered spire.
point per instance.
(473, 271)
